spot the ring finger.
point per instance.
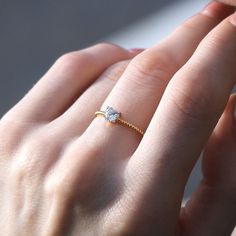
(76, 119)
(149, 73)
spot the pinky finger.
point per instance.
(212, 208)
(65, 81)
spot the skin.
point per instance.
(230, 2)
(64, 172)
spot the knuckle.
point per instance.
(22, 172)
(27, 162)
(57, 185)
(190, 105)
(72, 60)
(190, 26)
(70, 178)
(153, 67)
(115, 71)
(9, 119)
(107, 46)
(12, 133)
(36, 144)
(57, 189)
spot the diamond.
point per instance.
(111, 115)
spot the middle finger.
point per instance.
(140, 88)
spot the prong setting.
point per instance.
(111, 114)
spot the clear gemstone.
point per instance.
(111, 115)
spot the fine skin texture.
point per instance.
(65, 173)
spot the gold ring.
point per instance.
(112, 116)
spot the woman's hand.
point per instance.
(64, 172)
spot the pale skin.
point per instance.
(230, 2)
(64, 172)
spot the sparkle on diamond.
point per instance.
(111, 115)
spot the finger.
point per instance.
(139, 90)
(215, 197)
(189, 110)
(66, 80)
(76, 119)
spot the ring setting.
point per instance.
(113, 116)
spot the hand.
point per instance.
(64, 172)
(231, 2)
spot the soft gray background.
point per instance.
(34, 33)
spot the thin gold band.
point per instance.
(122, 122)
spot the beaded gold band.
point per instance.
(113, 116)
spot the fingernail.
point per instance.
(136, 50)
(217, 9)
(232, 19)
(210, 8)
